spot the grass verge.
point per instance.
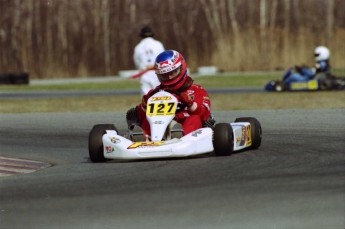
(221, 102)
(234, 101)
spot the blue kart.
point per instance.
(305, 79)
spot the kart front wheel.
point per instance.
(96, 143)
(223, 139)
(279, 86)
(255, 130)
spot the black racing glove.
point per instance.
(132, 118)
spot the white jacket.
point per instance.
(146, 51)
(148, 81)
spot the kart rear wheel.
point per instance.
(255, 130)
(223, 139)
(326, 84)
(96, 143)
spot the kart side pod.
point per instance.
(244, 133)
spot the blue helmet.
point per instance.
(171, 69)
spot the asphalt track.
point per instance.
(296, 179)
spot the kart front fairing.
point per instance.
(195, 143)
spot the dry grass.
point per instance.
(286, 100)
(236, 101)
(276, 50)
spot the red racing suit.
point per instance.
(190, 118)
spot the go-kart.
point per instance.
(222, 139)
(320, 82)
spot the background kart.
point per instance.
(321, 83)
(106, 143)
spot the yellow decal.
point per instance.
(161, 98)
(249, 136)
(144, 144)
(156, 109)
(299, 85)
(311, 85)
(243, 137)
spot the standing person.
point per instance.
(145, 53)
(194, 108)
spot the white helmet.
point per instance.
(321, 53)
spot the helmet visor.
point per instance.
(169, 76)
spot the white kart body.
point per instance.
(160, 112)
(118, 147)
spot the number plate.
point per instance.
(159, 106)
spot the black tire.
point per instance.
(14, 78)
(223, 139)
(19, 78)
(96, 143)
(5, 79)
(339, 83)
(255, 130)
(325, 84)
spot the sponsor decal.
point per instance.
(166, 70)
(144, 144)
(206, 105)
(311, 85)
(299, 85)
(161, 98)
(196, 133)
(186, 115)
(164, 63)
(115, 140)
(244, 136)
(174, 58)
(249, 136)
(109, 149)
(158, 122)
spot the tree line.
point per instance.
(80, 38)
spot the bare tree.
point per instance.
(263, 19)
(233, 20)
(106, 36)
(91, 37)
(330, 19)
